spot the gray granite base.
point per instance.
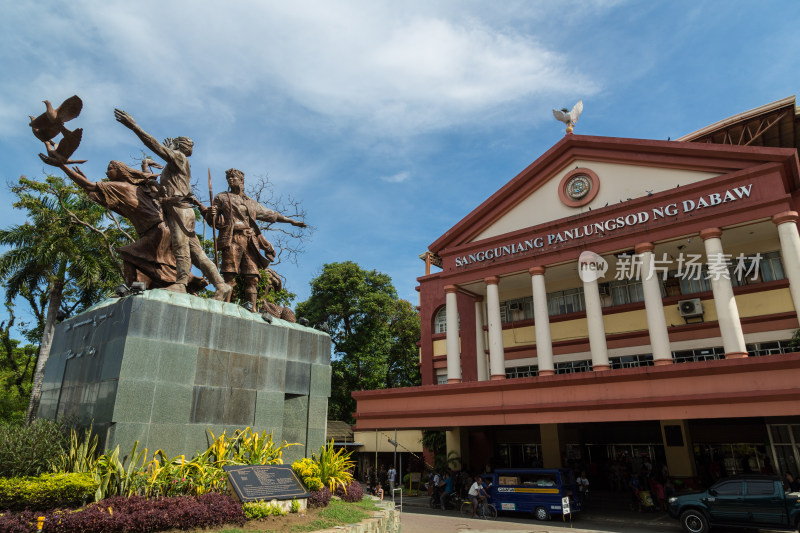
(164, 369)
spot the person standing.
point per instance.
(583, 489)
(392, 478)
(177, 201)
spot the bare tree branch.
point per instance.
(118, 226)
(288, 241)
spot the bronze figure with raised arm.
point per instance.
(240, 239)
(132, 194)
(177, 201)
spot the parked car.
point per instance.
(533, 490)
(750, 501)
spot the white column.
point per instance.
(727, 312)
(654, 306)
(480, 342)
(453, 351)
(790, 251)
(594, 323)
(497, 364)
(541, 320)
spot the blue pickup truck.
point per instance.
(749, 501)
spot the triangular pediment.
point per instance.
(618, 170)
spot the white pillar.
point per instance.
(654, 306)
(727, 312)
(790, 251)
(541, 320)
(594, 323)
(453, 349)
(497, 364)
(480, 342)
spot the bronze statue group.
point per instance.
(161, 210)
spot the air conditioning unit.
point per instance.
(605, 289)
(690, 308)
(515, 306)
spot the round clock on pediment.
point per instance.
(578, 187)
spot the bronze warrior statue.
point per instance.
(236, 216)
(177, 201)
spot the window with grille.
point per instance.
(626, 291)
(516, 310)
(573, 367)
(522, 371)
(632, 361)
(770, 348)
(440, 322)
(700, 354)
(567, 301)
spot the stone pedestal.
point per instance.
(163, 368)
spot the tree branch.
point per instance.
(85, 224)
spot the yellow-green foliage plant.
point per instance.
(309, 472)
(114, 477)
(335, 467)
(81, 456)
(262, 509)
(246, 448)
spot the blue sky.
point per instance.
(390, 121)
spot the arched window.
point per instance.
(440, 322)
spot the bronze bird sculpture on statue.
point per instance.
(51, 122)
(60, 153)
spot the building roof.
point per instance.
(339, 431)
(776, 124)
(700, 156)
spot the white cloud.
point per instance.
(381, 68)
(400, 177)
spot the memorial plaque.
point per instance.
(265, 482)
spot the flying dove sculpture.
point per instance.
(51, 122)
(570, 118)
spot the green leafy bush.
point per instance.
(46, 491)
(335, 466)
(30, 450)
(295, 505)
(262, 509)
(309, 472)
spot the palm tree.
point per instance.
(60, 252)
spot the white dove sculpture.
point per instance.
(570, 118)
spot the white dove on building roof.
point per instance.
(570, 118)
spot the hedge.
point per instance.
(47, 491)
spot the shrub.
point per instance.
(24, 522)
(309, 472)
(354, 492)
(319, 498)
(46, 491)
(246, 448)
(30, 450)
(295, 505)
(119, 514)
(335, 466)
(262, 509)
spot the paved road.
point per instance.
(419, 521)
(610, 515)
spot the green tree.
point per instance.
(61, 260)
(16, 371)
(374, 334)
